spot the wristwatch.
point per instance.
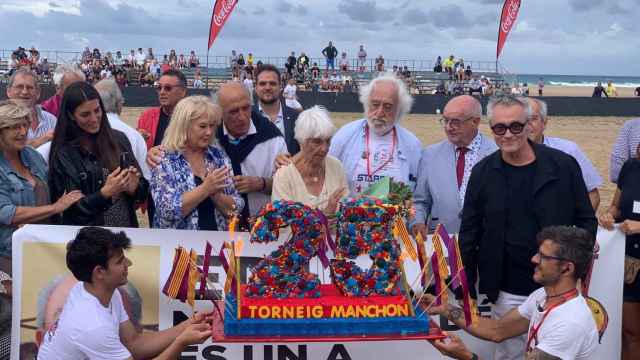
(474, 356)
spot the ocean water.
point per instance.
(575, 80)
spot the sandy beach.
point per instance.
(578, 91)
(595, 135)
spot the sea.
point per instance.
(575, 80)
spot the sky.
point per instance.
(590, 37)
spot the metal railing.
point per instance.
(218, 61)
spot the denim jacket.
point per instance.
(17, 191)
(172, 178)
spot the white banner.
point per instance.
(39, 274)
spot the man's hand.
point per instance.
(155, 156)
(419, 228)
(194, 334)
(248, 184)
(283, 160)
(630, 227)
(453, 347)
(606, 220)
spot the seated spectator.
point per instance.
(96, 54)
(475, 86)
(460, 73)
(118, 60)
(86, 54)
(248, 82)
(88, 155)
(637, 91)
(34, 57)
(121, 79)
(313, 177)
(291, 63)
(173, 59)
(380, 63)
(441, 88)
(524, 90)
(192, 185)
(44, 68)
(250, 59)
(24, 191)
(344, 62)
(154, 68)
(438, 66)
(347, 88)
(197, 80)
(448, 65)
(108, 59)
(194, 61)
(290, 97)
(303, 63)
(150, 56)
(315, 71)
(182, 62)
(468, 73)
(132, 58)
(249, 70)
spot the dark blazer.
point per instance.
(559, 198)
(289, 116)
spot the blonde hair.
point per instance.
(12, 113)
(187, 110)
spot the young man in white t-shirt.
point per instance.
(556, 318)
(93, 323)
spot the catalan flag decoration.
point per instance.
(184, 274)
(442, 273)
(468, 304)
(423, 260)
(400, 231)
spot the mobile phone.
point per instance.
(124, 163)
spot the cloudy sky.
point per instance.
(598, 37)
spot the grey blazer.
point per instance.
(436, 191)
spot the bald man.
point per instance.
(252, 142)
(445, 167)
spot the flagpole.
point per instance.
(207, 75)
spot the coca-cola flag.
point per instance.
(221, 12)
(507, 20)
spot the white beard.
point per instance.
(380, 127)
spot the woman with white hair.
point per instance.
(24, 192)
(192, 186)
(313, 177)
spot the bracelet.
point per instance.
(264, 184)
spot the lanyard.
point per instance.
(368, 153)
(533, 333)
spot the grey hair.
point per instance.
(23, 72)
(542, 107)
(215, 97)
(64, 69)
(405, 100)
(314, 123)
(111, 95)
(508, 100)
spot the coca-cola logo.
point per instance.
(220, 16)
(510, 18)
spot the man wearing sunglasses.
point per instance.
(445, 167)
(555, 319)
(152, 124)
(512, 194)
(538, 121)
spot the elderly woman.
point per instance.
(192, 186)
(88, 155)
(625, 209)
(313, 177)
(24, 193)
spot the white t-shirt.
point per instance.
(248, 83)
(86, 329)
(382, 162)
(568, 332)
(290, 92)
(140, 58)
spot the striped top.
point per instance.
(624, 148)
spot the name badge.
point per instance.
(636, 207)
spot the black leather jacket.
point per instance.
(77, 169)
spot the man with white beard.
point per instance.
(377, 146)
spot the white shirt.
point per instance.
(290, 92)
(470, 160)
(278, 121)
(589, 173)
(248, 83)
(568, 332)
(138, 145)
(86, 329)
(260, 162)
(380, 162)
(140, 58)
(46, 122)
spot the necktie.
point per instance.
(460, 165)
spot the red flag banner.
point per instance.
(221, 12)
(507, 20)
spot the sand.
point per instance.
(594, 135)
(551, 90)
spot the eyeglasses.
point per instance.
(515, 128)
(550, 257)
(21, 87)
(453, 122)
(166, 88)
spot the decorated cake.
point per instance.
(283, 299)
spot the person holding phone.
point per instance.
(192, 186)
(88, 155)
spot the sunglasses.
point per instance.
(166, 88)
(550, 257)
(515, 128)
